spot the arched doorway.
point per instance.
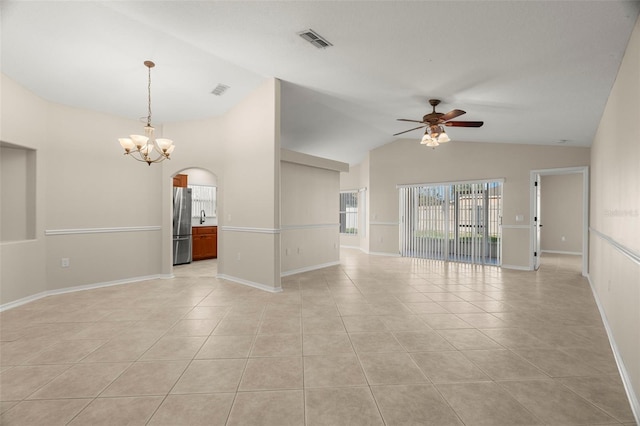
(194, 219)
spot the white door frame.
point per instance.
(584, 170)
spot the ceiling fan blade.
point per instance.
(415, 128)
(464, 123)
(412, 121)
(452, 114)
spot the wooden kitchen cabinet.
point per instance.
(205, 242)
(180, 181)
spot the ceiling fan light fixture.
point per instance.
(443, 138)
(432, 143)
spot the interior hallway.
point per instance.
(376, 340)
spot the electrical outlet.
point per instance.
(64, 262)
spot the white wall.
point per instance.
(561, 213)
(614, 265)
(22, 263)
(111, 216)
(309, 212)
(407, 162)
(245, 160)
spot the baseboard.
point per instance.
(516, 267)
(379, 253)
(259, 286)
(47, 293)
(626, 380)
(572, 253)
(308, 268)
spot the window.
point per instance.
(457, 221)
(203, 198)
(349, 212)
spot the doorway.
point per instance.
(202, 187)
(560, 203)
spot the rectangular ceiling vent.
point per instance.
(220, 89)
(314, 38)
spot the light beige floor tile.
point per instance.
(45, 412)
(357, 323)
(235, 326)
(426, 308)
(485, 404)
(281, 325)
(268, 408)
(333, 371)
(277, 345)
(601, 359)
(552, 402)
(19, 351)
(439, 296)
(444, 367)
(147, 378)
(226, 347)
(19, 382)
(121, 350)
(605, 392)
(515, 338)
(420, 341)
(460, 307)
(503, 364)
(444, 321)
(483, 320)
(413, 405)
(172, 348)
(215, 313)
(319, 344)
(341, 406)
(6, 405)
(375, 342)
(118, 411)
(81, 381)
(556, 363)
(356, 309)
(194, 410)
(322, 325)
(208, 376)
(102, 330)
(404, 322)
(390, 369)
(193, 327)
(66, 352)
(272, 374)
(469, 339)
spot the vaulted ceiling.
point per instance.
(536, 72)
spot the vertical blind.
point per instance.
(458, 222)
(203, 198)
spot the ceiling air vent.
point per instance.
(220, 89)
(314, 38)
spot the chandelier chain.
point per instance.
(149, 98)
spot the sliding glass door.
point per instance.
(458, 221)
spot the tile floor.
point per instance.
(374, 341)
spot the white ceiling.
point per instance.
(536, 72)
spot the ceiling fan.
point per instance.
(435, 134)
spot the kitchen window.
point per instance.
(203, 198)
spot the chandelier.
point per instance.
(434, 136)
(147, 148)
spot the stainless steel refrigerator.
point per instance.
(181, 225)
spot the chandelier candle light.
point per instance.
(145, 148)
